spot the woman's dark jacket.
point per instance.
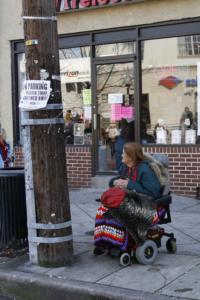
(145, 181)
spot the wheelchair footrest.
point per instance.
(164, 200)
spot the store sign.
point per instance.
(191, 82)
(67, 5)
(72, 73)
(75, 70)
(170, 82)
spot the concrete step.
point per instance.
(28, 286)
(101, 181)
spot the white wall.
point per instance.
(146, 12)
(10, 29)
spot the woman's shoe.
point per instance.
(98, 251)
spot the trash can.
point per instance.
(13, 220)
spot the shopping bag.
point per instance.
(113, 197)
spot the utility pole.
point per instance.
(48, 208)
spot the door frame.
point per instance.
(95, 138)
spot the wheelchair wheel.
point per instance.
(171, 245)
(147, 253)
(125, 259)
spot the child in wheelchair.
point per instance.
(126, 225)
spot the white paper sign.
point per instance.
(35, 94)
(161, 136)
(87, 112)
(115, 98)
(190, 136)
(176, 137)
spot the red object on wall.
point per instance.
(170, 82)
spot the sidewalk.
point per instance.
(172, 276)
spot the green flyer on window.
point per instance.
(87, 98)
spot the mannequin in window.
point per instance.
(88, 127)
(146, 138)
(186, 120)
(160, 132)
(112, 132)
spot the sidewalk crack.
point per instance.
(179, 276)
(119, 269)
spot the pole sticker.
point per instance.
(31, 42)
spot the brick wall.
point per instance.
(79, 165)
(184, 166)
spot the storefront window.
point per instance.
(21, 78)
(170, 103)
(189, 45)
(116, 112)
(21, 71)
(76, 93)
(115, 49)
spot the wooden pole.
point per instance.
(52, 209)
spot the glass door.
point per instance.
(114, 113)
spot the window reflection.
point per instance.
(21, 77)
(115, 49)
(116, 112)
(189, 45)
(170, 104)
(76, 94)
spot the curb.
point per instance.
(28, 286)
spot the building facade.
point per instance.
(121, 62)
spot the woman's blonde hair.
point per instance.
(134, 151)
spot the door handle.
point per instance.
(95, 121)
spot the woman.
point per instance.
(135, 174)
(5, 151)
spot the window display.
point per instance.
(76, 93)
(115, 49)
(116, 112)
(170, 87)
(169, 102)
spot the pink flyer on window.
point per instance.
(116, 112)
(127, 112)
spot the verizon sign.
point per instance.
(75, 70)
(67, 5)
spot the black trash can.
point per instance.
(13, 220)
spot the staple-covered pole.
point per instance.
(49, 222)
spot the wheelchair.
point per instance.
(147, 252)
